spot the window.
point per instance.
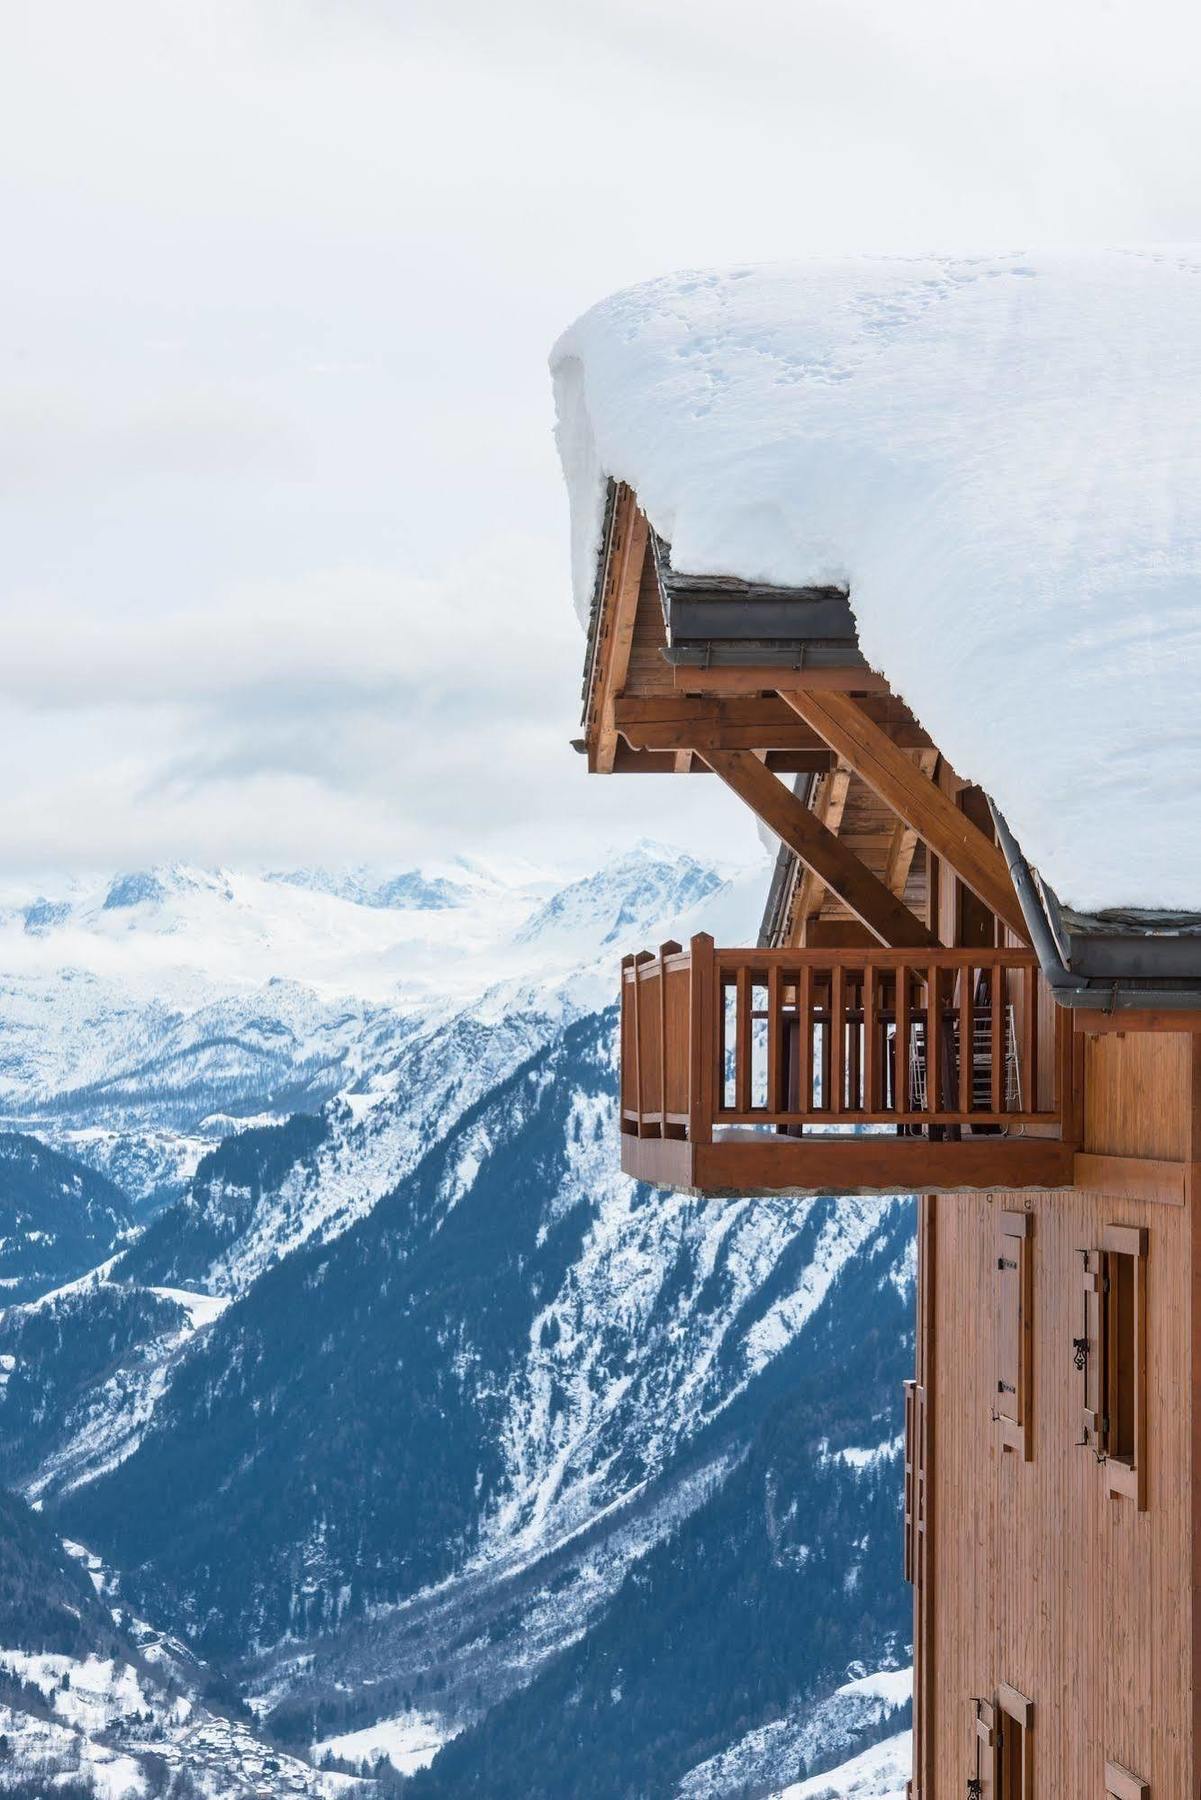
(1003, 1747)
(1120, 1784)
(1012, 1402)
(1113, 1356)
(1015, 1749)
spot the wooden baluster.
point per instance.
(871, 1060)
(834, 1100)
(704, 1047)
(804, 1013)
(999, 1035)
(967, 1015)
(1029, 1082)
(901, 1044)
(742, 1041)
(854, 1056)
(1062, 1095)
(933, 1038)
(775, 1029)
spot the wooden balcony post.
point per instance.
(668, 948)
(643, 956)
(871, 1060)
(999, 1036)
(703, 1040)
(626, 1039)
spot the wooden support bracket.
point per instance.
(940, 824)
(885, 916)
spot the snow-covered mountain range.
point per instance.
(400, 1405)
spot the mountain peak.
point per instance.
(411, 890)
(140, 886)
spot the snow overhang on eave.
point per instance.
(903, 426)
(721, 621)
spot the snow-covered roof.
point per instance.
(998, 457)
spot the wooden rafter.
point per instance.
(878, 761)
(863, 893)
(904, 837)
(619, 606)
(829, 809)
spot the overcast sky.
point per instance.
(283, 552)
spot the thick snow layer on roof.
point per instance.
(999, 457)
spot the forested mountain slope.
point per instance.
(57, 1218)
(439, 1438)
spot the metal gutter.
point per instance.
(1124, 987)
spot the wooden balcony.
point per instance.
(868, 1071)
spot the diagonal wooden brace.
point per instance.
(941, 826)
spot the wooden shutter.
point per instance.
(1091, 1347)
(1120, 1784)
(1014, 1301)
(915, 1482)
(985, 1736)
(910, 1560)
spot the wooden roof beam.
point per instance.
(741, 722)
(942, 827)
(663, 722)
(627, 761)
(863, 893)
(751, 678)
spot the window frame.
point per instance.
(1125, 1474)
(1110, 1387)
(1018, 1710)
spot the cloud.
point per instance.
(343, 715)
(285, 558)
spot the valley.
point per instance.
(385, 1397)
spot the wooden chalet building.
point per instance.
(920, 1016)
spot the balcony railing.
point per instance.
(840, 1070)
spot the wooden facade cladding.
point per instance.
(1047, 1571)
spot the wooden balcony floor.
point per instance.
(749, 1162)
